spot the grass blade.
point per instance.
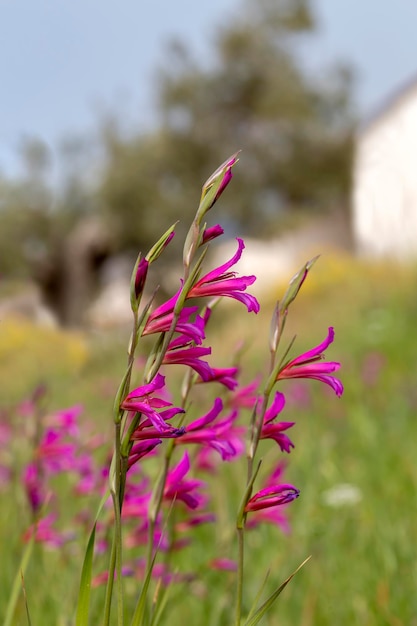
(14, 595)
(83, 604)
(256, 617)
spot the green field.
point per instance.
(355, 460)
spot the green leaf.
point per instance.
(14, 595)
(83, 605)
(255, 617)
(137, 619)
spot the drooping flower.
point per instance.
(310, 365)
(221, 282)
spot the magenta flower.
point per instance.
(45, 533)
(217, 434)
(141, 449)
(177, 488)
(245, 397)
(224, 376)
(140, 277)
(34, 487)
(190, 357)
(160, 322)
(276, 431)
(67, 420)
(212, 233)
(56, 454)
(307, 366)
(272, 496)
(141, 400)
(221, 282)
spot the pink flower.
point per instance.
(191, 357)
(272, 496)
(141, 400)
(224, 376)
(45, 533)
(221, 282)
(276, 431)
(160, 322)
(177, 488)
(307, 366)
(268, 505)
(212, 233)
(220, 435)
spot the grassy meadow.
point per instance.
(355, 460)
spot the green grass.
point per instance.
(364, 564)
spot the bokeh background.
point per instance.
(112, 117)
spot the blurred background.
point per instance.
(112, 117)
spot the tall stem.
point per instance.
(240, 564)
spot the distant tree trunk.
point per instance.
(70, 282)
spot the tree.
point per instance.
(295, 132)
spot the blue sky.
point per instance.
(63, 62)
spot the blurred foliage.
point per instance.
(294, 130)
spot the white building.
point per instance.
(385, 180)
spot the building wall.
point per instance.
(385, 183)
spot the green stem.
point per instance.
(240, 564)
(110, 582)
(156, 502)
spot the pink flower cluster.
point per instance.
(154, 422)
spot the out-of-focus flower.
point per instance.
(66, 420)
(245, 397)
(223, 564)
(310, 365)
(178, 488)
(34, 486)
(45, 533)
(56, 454)
(224, 376)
